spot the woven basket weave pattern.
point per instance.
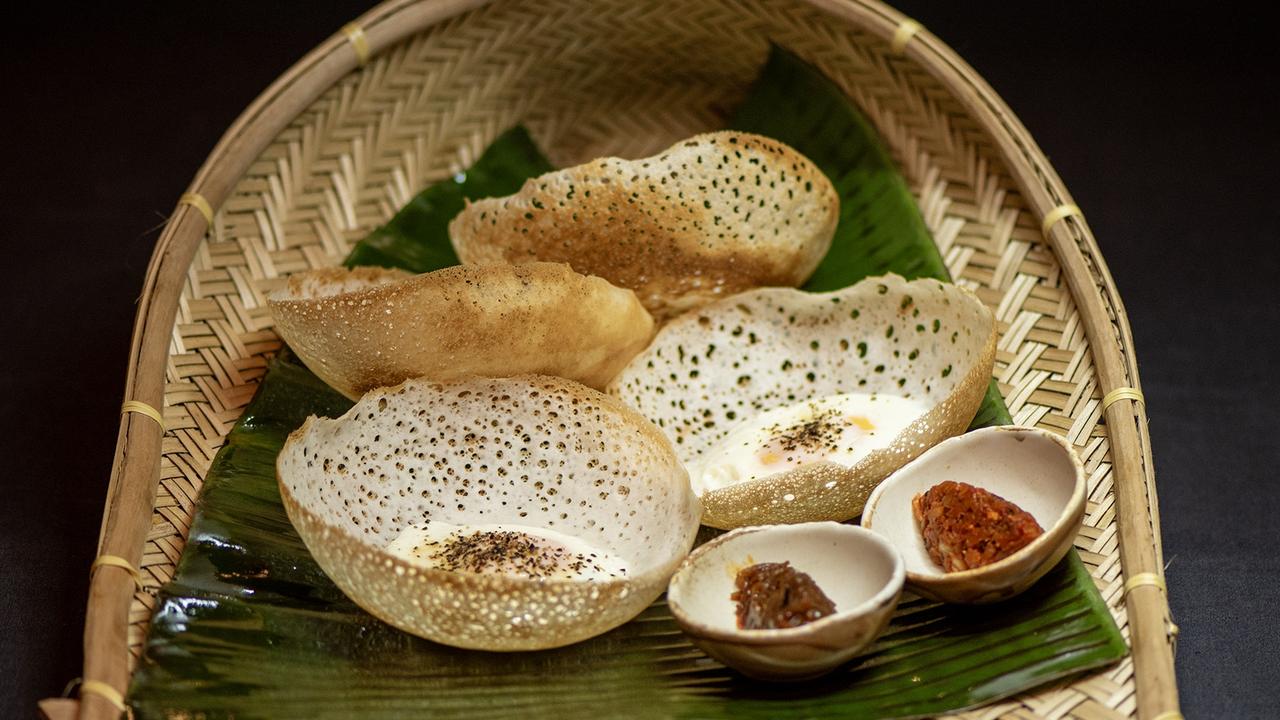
(628, 85)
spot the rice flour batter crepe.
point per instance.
(538, 512)
(788, 406)
(365, 328)
(710, 216)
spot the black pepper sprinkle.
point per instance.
(821, 431)
(506, 551)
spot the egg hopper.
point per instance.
(531, 450)
(711, 370)
(1036, 470)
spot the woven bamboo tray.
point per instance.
(415, 89)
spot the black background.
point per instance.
(1163, 126)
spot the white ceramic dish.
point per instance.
(858, 570)
(1036, 470)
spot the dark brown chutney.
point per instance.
(776, 595)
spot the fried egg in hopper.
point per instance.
(364, 328)
(499, 514)
(789, 406)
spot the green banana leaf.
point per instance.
(250, 627)
(417, 237)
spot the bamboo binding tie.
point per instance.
(116, 561)
(137, 406)
(1143, 580)
(1153, 580)
(907, 29)
(197, 201)
(1122, 393)
(359, 41)
(1059, 213)
(105, 691)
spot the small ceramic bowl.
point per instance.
(1034, 469)
(858, 570)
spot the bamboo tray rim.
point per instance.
(135, 469)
